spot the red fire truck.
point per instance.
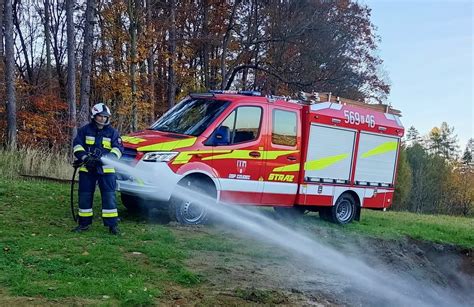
(321, 153)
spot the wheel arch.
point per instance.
(201, 177)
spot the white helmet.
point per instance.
(101, 109)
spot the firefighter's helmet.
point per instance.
(101, 109)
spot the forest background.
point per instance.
(142, 56)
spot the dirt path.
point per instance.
(239, 278)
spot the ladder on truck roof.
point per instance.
(313, 98)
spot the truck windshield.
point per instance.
(191, 116)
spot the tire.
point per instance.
(134, 204)
(325, 213)
(185, 210)
(289, 212)
(344, 211)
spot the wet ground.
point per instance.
(238, 278)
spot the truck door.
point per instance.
(283, 156)
(239, 160)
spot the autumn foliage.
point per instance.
(277, 47)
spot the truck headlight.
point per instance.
(159, 156)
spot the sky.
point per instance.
(427, 49)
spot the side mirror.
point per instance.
(221, 136)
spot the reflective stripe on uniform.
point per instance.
(169, 145)
(85, 212)
(106, 143)
(83, 169)
(116, 151)
(90, 140)
(78, 148)
(381, 149)
(109, 213)
(108, 170)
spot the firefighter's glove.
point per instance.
(90, 162)
(77, 163)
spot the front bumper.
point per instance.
(150, 180)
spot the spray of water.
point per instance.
(384, 286)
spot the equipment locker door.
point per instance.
(282, 156)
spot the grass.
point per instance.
(41, 258)
(444, 229)
(37, 162)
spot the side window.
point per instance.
(284, 128)
(244, 124)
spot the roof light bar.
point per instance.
(246, 93)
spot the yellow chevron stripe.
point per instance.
(244, 155)
(381, 149)
(132, 139)
(166, 146)
(184, 156)
(287, 168)
(324, 162)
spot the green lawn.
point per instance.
(42, 258)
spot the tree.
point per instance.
(412, 136)
(442, 141)
(459, 198)
(2, 46)
(171, 56)
(47, 35)
(404, 182)
(134, 11)
(10, 77)
(86, 67)
(468, 152)
(429, 173)
(71, 68)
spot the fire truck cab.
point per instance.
(323, 154)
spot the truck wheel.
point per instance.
(131, 202)
(325, 213)
(289, 212)
(185, 209)
(344, 211)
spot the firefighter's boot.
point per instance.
(80, 228)
(114, 230)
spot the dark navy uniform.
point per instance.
(99, 142)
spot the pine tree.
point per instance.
(468, 152)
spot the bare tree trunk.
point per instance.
(47, 35)
(87, 63)
(151, 59)
(24, 49)
(2, 46)
(10, 77)
(205, 44)
(172, 55)
(225, 44)
(71, 68)
(133, 13)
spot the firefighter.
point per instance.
(93, 141)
